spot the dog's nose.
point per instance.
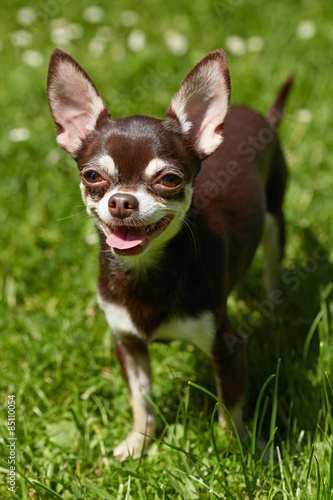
(122, 205)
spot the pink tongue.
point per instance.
(124, 237)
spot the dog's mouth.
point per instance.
(130, 240)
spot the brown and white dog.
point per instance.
(179, 217)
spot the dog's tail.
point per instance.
(275, 113)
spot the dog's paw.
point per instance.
(135, 445)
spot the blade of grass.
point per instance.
(312, 330)
(318, 478)
(98, 491)
(310, 463)
(190, 457)
(48, 490)
(273, 417)
(262, 416)
(264, 451)
(34, 483)
(216, 451)
(167, 427)
(185, 417)
(281, 472)
(331, 471)
(137, 476)
(254, 437)
(202, 483)
(247, 480)
(329, 406)
(156, 409)
(224, 485)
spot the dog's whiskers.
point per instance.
(72, 216)
(189, 230)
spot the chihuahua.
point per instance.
(180, 205)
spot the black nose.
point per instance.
(122, 205)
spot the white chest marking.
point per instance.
(199, 331)
(118, 318)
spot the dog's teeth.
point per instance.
(151, 227)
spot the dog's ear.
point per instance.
(202, 103)
(74, 101)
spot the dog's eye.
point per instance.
(93, 177)
(170, 181)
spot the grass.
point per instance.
(57, 355)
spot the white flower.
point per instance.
(93, 14)
(235, 45)
(19, 134)
(26, 16)
(21, 38)
(136, 40)
(59, 35)
(304, 115)
(176, 43)
(64, 33)
(58, 22)
(306, 29)
(75, 31)
(255, 44)
(32, 58)
(128, 18)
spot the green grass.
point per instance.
(57, 355)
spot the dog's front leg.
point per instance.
(133, 357)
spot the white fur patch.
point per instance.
(149, 209)
(199, 331)
(118, 318)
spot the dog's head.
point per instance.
(137, 173)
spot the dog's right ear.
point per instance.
(74, 101)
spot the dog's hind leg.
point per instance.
(274, 232)
(230, 371)
(273, 250)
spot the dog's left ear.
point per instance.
(202, 103)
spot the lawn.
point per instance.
(57, 354)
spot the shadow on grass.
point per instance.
(283, 334)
